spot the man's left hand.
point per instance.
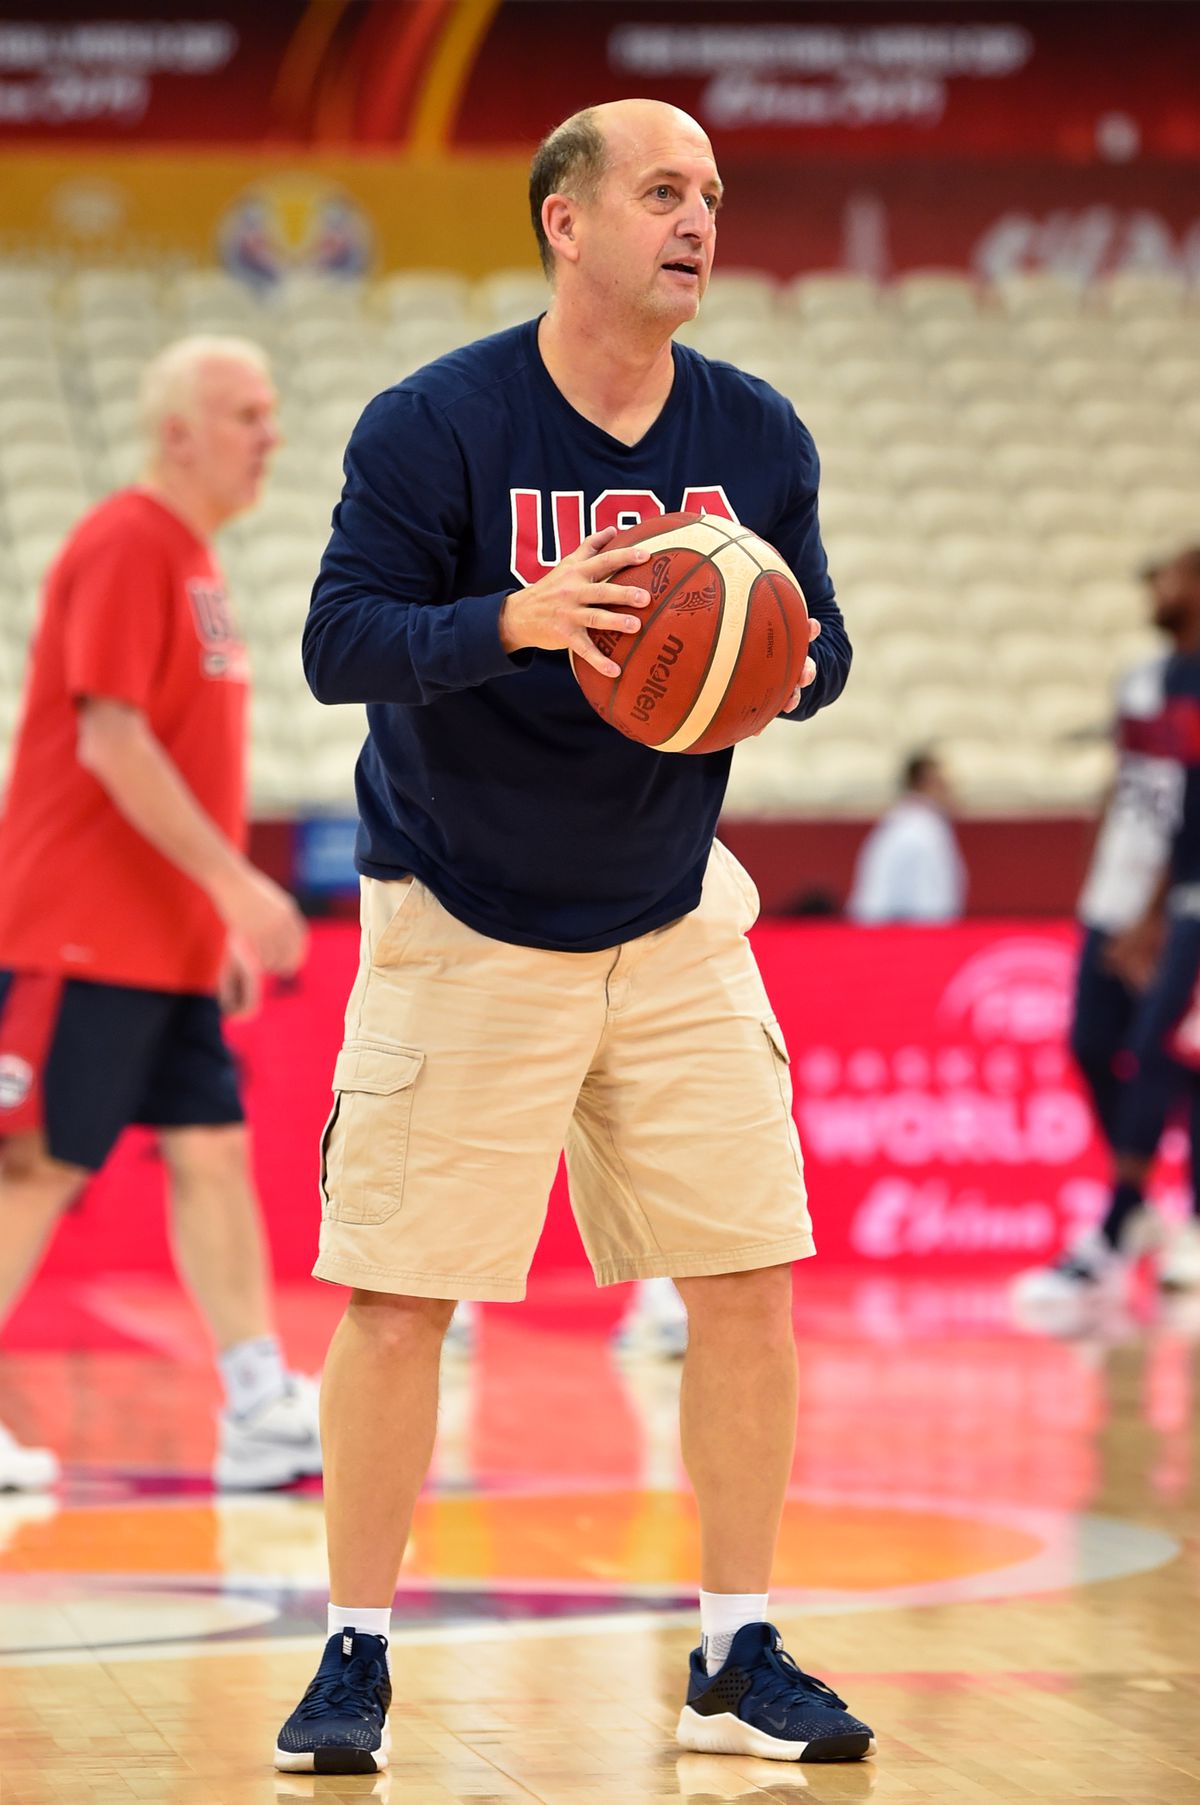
(808, 675)
(239, 988)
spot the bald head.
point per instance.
(632, 128)
(575, 157)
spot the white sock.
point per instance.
(372, 1620)
(722, 1615)
(254, 1374)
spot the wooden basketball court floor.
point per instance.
(992, 1548)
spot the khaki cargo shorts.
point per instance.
(469, 1064)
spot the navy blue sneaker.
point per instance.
(340, 1725)
(760, 1703)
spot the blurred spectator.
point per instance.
(1156, 955)
(909, 867)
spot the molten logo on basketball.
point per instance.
(655, 685)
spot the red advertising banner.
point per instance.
(943, 1127)
(1107, 81)
(855, 80)
(994, 220)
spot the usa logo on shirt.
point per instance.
(531, 556)
(222, 653)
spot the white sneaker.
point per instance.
(463, 1332)
(25, 1469)
(1179, 1260)
(655, 1326)
(1089, 1276)
(273, 1445)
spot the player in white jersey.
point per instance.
(1120, 896)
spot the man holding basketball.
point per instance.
(553, 943)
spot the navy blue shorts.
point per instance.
(81, 1061)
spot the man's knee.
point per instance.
(218, 1155)
(395, 1325)
(27, 1166)
(740, 1303)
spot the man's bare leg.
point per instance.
(34, 1192)
(379, 1397)
(737, 1419)
(217, 1233)
(267, 1434)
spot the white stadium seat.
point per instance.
(742, 294)
(1142, 294)
(831, 292)
(935, 294)
(509, 296)
(938, 337)
(901, 660)
(436, 295)
(1038, 292)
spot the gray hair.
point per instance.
(171, 379)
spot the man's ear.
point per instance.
(175, 436)
(559, 214)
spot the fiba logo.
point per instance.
(294, 225)
(16, 1080)
(1019, 990)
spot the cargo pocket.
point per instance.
(364, 1149)
(781, 1060)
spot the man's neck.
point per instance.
(181, 498)
(612, 379)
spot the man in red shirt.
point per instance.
(130, 916)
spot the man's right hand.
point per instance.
(264, 918)
(1133, 955)
(556, 613)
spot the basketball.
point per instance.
(722, 643)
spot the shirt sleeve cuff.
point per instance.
(480, 654)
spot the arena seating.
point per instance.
(997, 463)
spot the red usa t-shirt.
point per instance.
(134, 611)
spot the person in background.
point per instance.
(1130, 855)
(130, 916)
(909, 867)
(655, 1322)
(1133, 1030)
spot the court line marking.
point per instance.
(1076, 1551)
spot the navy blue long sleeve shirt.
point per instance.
(487, 775)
